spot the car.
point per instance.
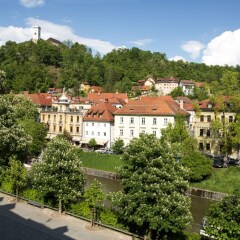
(233, 162)
(108, 151)
(101, 150)
(218, 162)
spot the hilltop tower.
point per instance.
(36, 33)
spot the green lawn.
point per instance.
(222, 180)
(106, 162)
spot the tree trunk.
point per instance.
(60, 205)
(17, 193)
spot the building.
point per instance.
(144, 85)
(146, 115)
(165, 86)
(36, 33)
(187, 86)
(98, 123)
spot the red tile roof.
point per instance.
(163, 106)
(141, 88)
(205, 103)
(102, 112)
(40, 99)
(95, 89)
(167, 80)
(101, 97)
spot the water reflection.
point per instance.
(198, 208)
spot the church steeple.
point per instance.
(36, 33)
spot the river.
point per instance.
(198, 209)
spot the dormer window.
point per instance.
(209, 105)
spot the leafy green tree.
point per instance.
(94, 197)
(38, 132)
(59, 173)
(177, 92)
(92, 143)
(118, 146)
(223, 218)
(16, 175)
(14, 140)
(153, 201)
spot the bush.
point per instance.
(80, 209)
(32, 194)
(109, 217)
(199, 165)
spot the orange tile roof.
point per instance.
(99, 97)
(102, 112)
(40, 99)
(167, 80)
(141, 88)
(204, 104)
(162, 106)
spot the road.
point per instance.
(21, 221)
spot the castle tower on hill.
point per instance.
(36, 33)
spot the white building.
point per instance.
(36, 33)
(147, 115)
(166, 85)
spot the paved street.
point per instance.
(22, 221)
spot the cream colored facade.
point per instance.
(202, 132)
(65, 116)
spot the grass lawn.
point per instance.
(222, 180)
(106, 162)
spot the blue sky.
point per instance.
(205, 31)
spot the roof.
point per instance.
(187, 82)
(167, 80)
(141, 88)
(199, 84)
(100, 97)
(159, 106)
(54, 41)
(40, 99)
(96, 89)
(102, 112)
(188, 104)
(205, 103)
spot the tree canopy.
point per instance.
(153, 201)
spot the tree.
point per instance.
(16, 175)
(92, 143)
(118, 146)
(177, 92)
(94, 197)
(14, 140)
(223, 218)
(59, 173)
(153, 201)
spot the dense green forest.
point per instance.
(37, 66)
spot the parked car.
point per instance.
(101, 150)
(233, 162)
(218, 162)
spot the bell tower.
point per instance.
(36, 33)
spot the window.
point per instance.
(208, 146)
(54, 118)
(92, 124)
(154, 121)
(48, 117)
(104, 134)
(143, 131)
(121, 132)
(77, 129)
(131, 120)
(86, 132)
(92, 133)
(165, 121)
(131, 132)
(143, 120)
(201, 132)
(200, 146)
(71, 129)
(60, 121)
(54, 128)
(223, 119)
(60, 128)
(77, 118)
(121, 119)
(201, 118)
(154, 132)
(208, 133)
(71, 119)
(230, 119)
(43, 117)
(105, 125)
(86, 124)
(98, 133)
(209, 118)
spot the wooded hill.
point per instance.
(37, 66)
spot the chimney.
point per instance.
(98, 93)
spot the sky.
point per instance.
(202, 31)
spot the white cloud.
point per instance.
(49, 29)
(32, 3)
(177, 58)
(142, 42)
(193, 48)
(223, 49)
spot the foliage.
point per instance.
(16, 176)
(118, 146)
(80, 209)
(223, 218)
(38, 132)
(32, 194)
(66, 135)
(177, 92)
(153, 200)
(59, 174)
(92, 143)
(14, 140)
(199, 165)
